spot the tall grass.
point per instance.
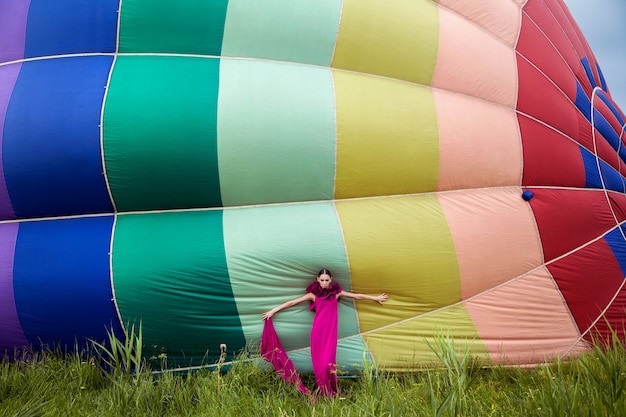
(114, 380)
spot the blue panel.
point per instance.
(62, 282)
(51, 146)
(605, 129)
(611, 106)
(589, 72)
(592, 178)
(582, 101)
(71, 27)
(611, 178)
(602, 80)
(616, 241)
(622, 153)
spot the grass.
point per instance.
(114, 380)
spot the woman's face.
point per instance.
(324, 280)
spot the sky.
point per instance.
(603, 22)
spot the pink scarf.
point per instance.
(273, 352)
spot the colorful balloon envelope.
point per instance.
(190, 164)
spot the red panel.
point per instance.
(573, 32)
(618, 202)
(564, 22)
(539, 98)
(550, 158)
(568, 219)
(614, 321)
(588, 280)
(543, 17)
(534, 45)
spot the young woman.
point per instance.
(324, 295)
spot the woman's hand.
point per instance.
(381, 298)
(268, 315)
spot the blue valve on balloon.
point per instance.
(527, 195)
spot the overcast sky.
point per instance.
(603, 23)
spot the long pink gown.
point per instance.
(323, 343)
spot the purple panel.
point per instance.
(8, 76)
(11, 334)
(13, 17)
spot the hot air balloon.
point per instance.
(189, 164)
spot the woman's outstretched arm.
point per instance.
(378, 298)
(307, 297)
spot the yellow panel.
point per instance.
(406, 346)
(387, 137)
(401, 246)
(397, 39)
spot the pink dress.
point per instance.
(323, 343)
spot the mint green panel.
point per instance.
(165, 26)
(282, 30)
(351, 356)
(159, 132)
(276, 132)
(170, 273)
(273, 253)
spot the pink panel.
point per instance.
(13, 19)
(473, 62)
(8, 78)
(494, 235)
(12, 334)
(502, 18)
(525, 321)
(479, 143)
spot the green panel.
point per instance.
(181, 26)
(276, 132)
(160, 133)
(273, 253)
(282, 30)
(169, 271)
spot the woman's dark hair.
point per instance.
(324, 271)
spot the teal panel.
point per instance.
(273, 253)
(160, 128)
(282, 30)
(276, 132)
(170, 273)
(179, 27)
